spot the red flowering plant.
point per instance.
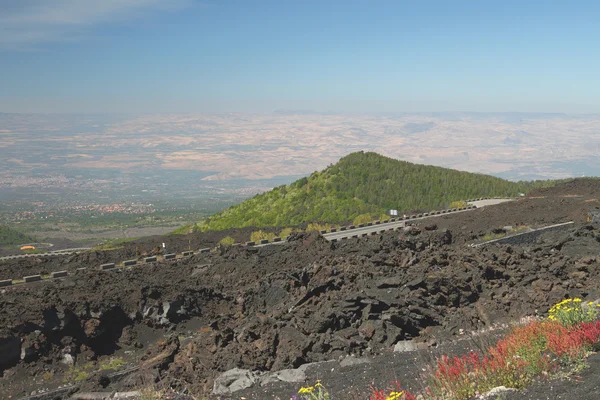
(543, 347)
(393, 392)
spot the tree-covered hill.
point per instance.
(12, 236)
(363, 183)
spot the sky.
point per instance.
(164, 56)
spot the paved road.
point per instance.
(48, 254)
(363, 231)
(488, 202)
(368, 230)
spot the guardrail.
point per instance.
(173, 256)
(518, 236)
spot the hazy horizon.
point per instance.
(238, 96)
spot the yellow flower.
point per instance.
(306, 390)
(394, 395)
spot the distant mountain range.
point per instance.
(363, 183)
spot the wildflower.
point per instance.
(306, 390)
(394, 396)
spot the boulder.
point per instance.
(233, 380)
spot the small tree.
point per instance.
(362, 219)
(227, 241)
(260, 235)
(285, 232)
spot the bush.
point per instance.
(362, 219)
(561, 342)
(458, 204)
(226, 241)
(573, 311)
(317, 227)
(260, 235)
(285, 232)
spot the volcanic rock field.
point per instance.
(182, 323)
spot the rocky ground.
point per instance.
(183, 323)
(136, 249)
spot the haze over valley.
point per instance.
(154, 156)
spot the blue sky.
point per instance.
(262, 55)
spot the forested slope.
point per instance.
(363, 183)
(12, 236)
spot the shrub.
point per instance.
(492, 236)
(458, 204)
(226, 241)
(285, 232)
(317, 227)
(260, 235)
(114, 363)
(563, 340)
(544, 346)
(362, 219)
(573, 311)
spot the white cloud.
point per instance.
(26, 24)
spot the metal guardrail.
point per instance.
(351, 232)
(506, 238)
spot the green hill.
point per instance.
(363, 183)
(12, 236)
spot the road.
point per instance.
(488, 202)
(378, 228)
(341, 234)
(48, 254)
(344, 233)
(364, 231)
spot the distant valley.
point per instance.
(199, 164)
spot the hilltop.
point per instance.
(363, 183)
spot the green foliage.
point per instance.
(260, 235)
(285, 232)
(493, 236)
(574, 311)
(78, 373)
(363, 183)
(316, 227)
(114, 363)
(9, 235)
(113, 244)
(458, 204)
(33, 251)
(362, 219)
(226, 241)
(183, 230)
